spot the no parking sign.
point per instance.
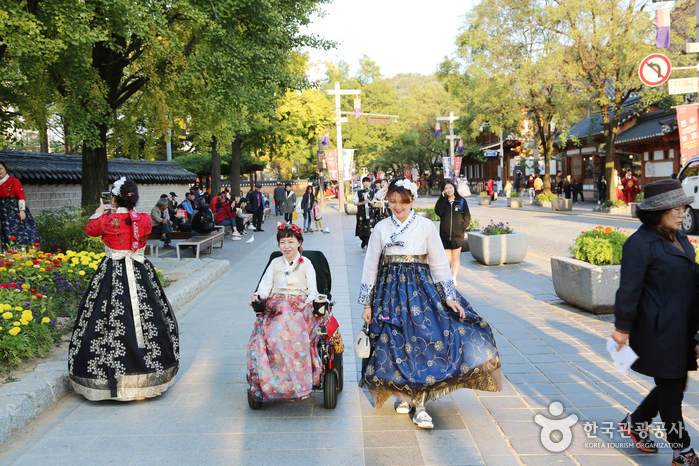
(655, 69)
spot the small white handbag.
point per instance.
(362, 346)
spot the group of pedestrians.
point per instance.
(285, 202)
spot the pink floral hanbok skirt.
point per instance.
(283, 361)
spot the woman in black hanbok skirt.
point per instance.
(426, 339)
(125, 344)
(17, 227)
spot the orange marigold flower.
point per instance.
(607, 230)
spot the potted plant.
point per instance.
(514, 200)
(634, 205)
(561, 204)
(589, 278)
(497, 244)
(484, 198)
(544, 199)
(618, 207)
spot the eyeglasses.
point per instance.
(679, 210)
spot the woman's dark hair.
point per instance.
(309, 187)
(652, 218)
(4, 164)
(128, 195)
(201, 203)
(405, 196)
(287, 184)
(289, 233)
(444, 184)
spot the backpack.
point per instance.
(207, 221)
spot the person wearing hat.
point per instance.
(656, 314)
(257, 207)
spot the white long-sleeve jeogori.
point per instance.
(419, 236)
(289, 278)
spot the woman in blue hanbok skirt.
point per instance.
(17, 227)
(426, 339)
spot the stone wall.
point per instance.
(42, 197)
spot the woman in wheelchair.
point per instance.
(283, 361)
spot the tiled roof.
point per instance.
(649, 126)
(593, 126)
(35, 168)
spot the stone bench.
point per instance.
(151, 250)
(202, 242)
(173, 235)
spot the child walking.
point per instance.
(318, 215)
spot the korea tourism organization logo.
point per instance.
(557, 434)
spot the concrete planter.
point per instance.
(498, 249)
(435, 192)
(589, 287)
(620, 210)
(484, 200)
(350, 209)
(515, 202)
(561, 204)
(421, 213)
(634, 209)
(541, 203)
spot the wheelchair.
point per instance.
(330, 346)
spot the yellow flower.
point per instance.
(20, 268)
(25, 286)
(17, 308)
(15, 331)
(11, 270)
(7, 307)
(70, 270)
(32, 251)
(23, 322)
(2, 269)
(16, 324)
(42, 269)
(8, 315)
(29, 263)
(45, 320)
(81, 273)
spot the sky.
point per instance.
(400, 36)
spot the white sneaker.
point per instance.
(235, 233)
(423, 420)
(403, 408)
(235, 238)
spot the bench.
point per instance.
(202, 242)
(173, 235)
(151, 250)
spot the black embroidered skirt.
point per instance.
(114, 355)
(24, 231)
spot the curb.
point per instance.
(21, 402)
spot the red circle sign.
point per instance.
(655, 69)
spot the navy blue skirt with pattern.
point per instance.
(24, 231)
(421, 350)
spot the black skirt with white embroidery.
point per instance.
(118, 354)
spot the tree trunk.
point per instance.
(95, 175)
(215, 167)
(236, 156)
(44, 140)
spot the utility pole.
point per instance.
(500, 168)
(451, 136)
(321, 182)
(337, 92)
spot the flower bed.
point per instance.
(600, 246)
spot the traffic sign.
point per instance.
(492, 153)
(655, 69)
(683, 86)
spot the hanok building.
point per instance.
(647, 144)
(54, 180)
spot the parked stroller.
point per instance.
(330, 345)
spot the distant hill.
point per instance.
(404, 81)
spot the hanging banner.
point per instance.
(407, 171)
(688, 128)
(446, 161)
(348, 164)
(437, 129)
(457, 165)
(331, 160)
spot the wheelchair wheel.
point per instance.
(330, 389)
(340, 371)
(254, 404)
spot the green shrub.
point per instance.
(429, 212)
(640, 196)
(547, 197)
(618, 203)
(474, 225)
(514, 194)
(600, 246)
(64, 229)
(485, 194)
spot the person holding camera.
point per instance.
(283, 361)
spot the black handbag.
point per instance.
(259, 306)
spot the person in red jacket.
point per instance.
(226, 217)
(125, 343)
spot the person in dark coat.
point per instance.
(306, 208)
(578, 191)
(278, 195)
(362, 200)
(656, 312)
(257, 207)
(602, 190)
(455, 217)
(567, 186)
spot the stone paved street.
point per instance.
(549, 351)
